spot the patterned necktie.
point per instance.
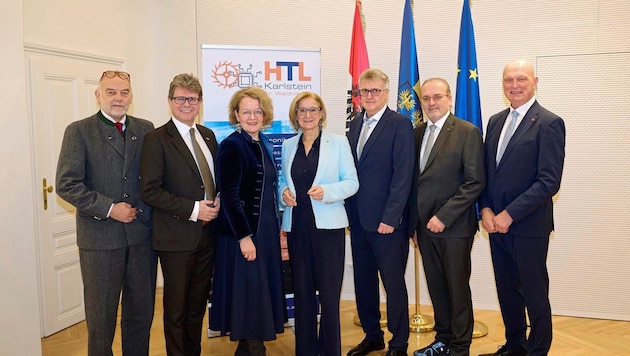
(508, 135)
(427, 148)
(364, 135)
(206, 174)
(119, 126)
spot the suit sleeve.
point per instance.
(485, 200)
(548, 176)
(473, 180)
(153, 183)
(71, 175)
(403, 164)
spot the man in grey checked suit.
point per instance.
(99, 173)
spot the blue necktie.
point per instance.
(364, 135)
(508, 135)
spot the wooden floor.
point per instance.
(572, 336)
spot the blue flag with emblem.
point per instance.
(408, 79)
(467, 103)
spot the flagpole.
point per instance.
(467, 101)
(419, 323)
(408, 104)
(358, 63)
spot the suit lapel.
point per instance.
(291, 151)
(325, 152)
(131, 144)
(354, 132)
(208, 140)
(528, 121)
(443, 135)
(493, 135)
(378, 129)
(114, 139)
(180, 146)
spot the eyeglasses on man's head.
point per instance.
(114, 73)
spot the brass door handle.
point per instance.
(47, 189)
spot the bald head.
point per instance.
(519, 82)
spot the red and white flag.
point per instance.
(358, 60)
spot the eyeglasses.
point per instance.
(375, 92)
(247, 113)
(304, 111)
(180, 100)
(436, 98)
(114, 73)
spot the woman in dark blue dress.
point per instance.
(247, 299)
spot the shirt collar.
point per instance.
(376, 116)
(438, 124)
(182, 128)
(123, 120)
(523, 109)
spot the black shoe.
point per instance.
(242, 349)
(256, 347)
(393, 352)
(503, 351)
(365, 347)
(436, 348)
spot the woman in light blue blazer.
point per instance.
(318, 174)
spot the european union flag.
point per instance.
(467, 104)
(408, 78)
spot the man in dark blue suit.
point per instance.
(524, 160)
(383, 148)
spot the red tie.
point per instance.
(119, 126)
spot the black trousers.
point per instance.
(317, 264)
(187, 277)
(447, 268)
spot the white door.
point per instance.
(60, 90)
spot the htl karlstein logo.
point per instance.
(227, 75)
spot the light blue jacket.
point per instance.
(336, 175)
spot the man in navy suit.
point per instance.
(382, 145)
(524, 162)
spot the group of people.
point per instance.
(212, 214)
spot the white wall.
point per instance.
(19, 329)
(160, 39)
(155, 38)
(157, 42)
(503, 30)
